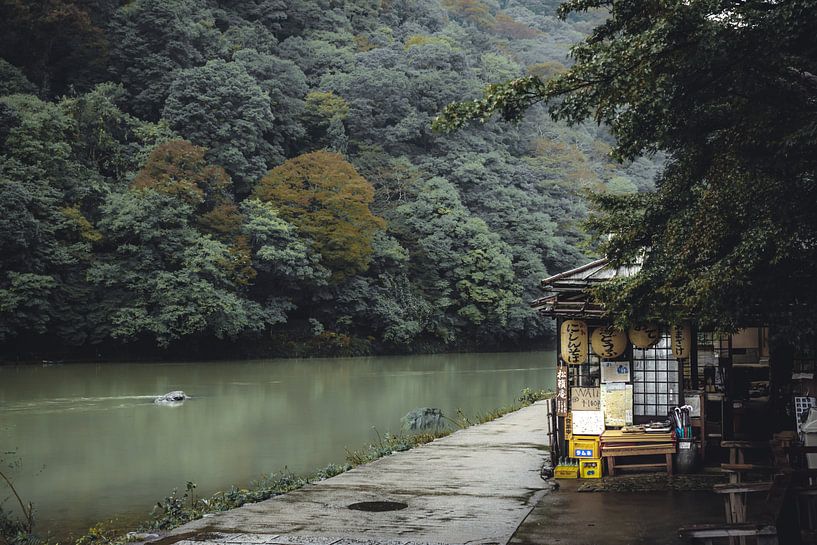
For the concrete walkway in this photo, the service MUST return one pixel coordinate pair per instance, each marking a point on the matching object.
(475, 486)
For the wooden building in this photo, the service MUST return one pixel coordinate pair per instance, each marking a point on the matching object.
(641, 375)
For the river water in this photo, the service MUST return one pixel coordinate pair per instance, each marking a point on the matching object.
(93, 445)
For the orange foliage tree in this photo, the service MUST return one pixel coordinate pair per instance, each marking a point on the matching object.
(180, 169)
(328, 201)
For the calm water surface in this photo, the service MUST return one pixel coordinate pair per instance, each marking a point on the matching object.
(94, 446)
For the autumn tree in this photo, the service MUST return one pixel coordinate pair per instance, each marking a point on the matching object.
(328, 201)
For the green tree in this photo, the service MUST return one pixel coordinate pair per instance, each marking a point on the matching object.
(55, 43)
(727, 90)
(151, 40)
(328, 201)
(162, 279)
(464, 269)
(221, 107)
(12, 80)
(45, 237)
(286, 86)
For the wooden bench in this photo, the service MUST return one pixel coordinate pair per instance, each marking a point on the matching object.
(765, 528)
(610, 455)
(737, 472)
(616, 444)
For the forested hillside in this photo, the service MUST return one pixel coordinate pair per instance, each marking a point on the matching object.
(259, 177)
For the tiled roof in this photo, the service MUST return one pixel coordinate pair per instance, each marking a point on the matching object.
(569, 298)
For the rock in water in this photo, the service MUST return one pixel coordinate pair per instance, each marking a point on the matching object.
(423, 419)
(171, 398)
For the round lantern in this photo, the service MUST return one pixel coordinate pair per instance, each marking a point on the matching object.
(645, 335)
(608, 343)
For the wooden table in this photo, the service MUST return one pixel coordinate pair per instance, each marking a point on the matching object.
(737, 449)
(616, 444)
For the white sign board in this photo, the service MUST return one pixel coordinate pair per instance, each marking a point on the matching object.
(615, 371)
(588, 422)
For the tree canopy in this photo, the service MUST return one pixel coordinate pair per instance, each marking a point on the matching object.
(260, 177)
(328, 201)
(728, 91)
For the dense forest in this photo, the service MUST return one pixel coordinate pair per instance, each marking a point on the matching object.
(260, 177)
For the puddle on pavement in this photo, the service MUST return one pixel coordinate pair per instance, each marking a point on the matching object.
(378, 506)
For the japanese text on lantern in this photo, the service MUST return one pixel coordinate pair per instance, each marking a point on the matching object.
(681, 341)
(574, 342)
(645, 336)
(561, 390)
(607, 342)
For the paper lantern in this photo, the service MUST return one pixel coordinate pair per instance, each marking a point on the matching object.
(644, 336)
(574, 342)
(607, 342)
(681, 339)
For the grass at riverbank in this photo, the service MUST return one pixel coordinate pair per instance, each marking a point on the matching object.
(184, 506)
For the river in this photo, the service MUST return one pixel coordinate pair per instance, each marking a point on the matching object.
(93, 446)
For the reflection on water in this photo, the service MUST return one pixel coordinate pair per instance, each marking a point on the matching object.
(94, 445)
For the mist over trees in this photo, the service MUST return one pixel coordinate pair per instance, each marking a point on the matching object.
(260, 177)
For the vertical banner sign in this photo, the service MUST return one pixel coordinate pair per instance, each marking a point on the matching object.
(644, 336)
(574, 342)
(681, 337)
(607, 343)
(561, 390)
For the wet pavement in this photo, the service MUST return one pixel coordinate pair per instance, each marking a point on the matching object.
(568, 517)
(478, 486)
(475, 486)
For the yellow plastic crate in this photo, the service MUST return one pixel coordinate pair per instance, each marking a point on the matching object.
(584, 446)
(590, 468)
(566, 472)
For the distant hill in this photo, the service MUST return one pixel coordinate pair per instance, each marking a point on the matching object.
(259, 177)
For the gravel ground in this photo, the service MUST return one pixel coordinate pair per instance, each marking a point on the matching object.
(653, 482)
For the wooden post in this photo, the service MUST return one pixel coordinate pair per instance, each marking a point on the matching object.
(693, 358)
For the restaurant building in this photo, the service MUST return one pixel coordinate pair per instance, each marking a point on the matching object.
(618, 392)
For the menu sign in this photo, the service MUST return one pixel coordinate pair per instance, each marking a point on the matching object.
(585, 399)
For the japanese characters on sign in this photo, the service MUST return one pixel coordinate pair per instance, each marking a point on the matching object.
(561, 390)
(608, 343)
(645, 336)
(681, 337)
(574, 342)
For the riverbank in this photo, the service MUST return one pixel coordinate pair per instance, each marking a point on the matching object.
(186, 505)
(27, 354)
(476, 485)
